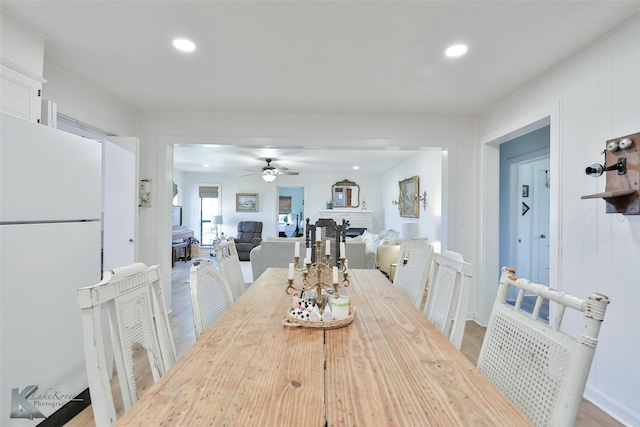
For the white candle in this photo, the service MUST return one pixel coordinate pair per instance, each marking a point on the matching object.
(318, 234)
(296, 251)
(307, 257)
(335, 275)
(328, 247)
(290, 271)
(346, 265)
(343, 250)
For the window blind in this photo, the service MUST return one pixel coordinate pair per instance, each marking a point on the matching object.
(284, 204)
(208, 192)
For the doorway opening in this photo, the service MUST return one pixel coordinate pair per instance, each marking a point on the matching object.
(525, 182)
(290, 220)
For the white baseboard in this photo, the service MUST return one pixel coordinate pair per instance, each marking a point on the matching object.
(475, 318)
(610, 406)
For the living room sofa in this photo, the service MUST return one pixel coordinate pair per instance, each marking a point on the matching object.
(278, 252)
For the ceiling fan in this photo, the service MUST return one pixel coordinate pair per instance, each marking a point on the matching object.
(269, 173)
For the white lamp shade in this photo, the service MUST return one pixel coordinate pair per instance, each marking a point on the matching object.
(410, 230)
(217, 219)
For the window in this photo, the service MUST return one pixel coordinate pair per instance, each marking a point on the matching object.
(209, 206)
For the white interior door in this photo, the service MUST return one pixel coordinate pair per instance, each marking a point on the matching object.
(531, 217)
(120, 204)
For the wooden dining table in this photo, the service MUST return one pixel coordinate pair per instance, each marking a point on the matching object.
(390, 367)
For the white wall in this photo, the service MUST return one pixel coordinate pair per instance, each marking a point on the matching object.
(427, 165)
(318, 191)
(592, 97)
(21, 44)
(180, 179)
(83, 102)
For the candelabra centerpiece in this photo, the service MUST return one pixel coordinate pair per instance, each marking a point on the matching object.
(318, 271)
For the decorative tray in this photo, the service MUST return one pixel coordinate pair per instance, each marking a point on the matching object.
(331, 324)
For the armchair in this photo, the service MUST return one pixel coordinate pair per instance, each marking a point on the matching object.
(249, 236)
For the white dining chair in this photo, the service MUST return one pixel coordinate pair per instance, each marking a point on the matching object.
(412, 270)
(210, 295)
(541, 369)
(229, 265)
(136, 316)
(448, 295)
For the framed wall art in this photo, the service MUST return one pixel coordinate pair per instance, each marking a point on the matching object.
(408, 200)
(246, 202)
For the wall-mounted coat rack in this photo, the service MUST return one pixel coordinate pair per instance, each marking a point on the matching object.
(622, 172)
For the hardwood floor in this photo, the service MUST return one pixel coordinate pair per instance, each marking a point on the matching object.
(181, 319)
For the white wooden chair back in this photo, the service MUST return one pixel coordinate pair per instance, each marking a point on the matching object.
(229, 265)
(412, 270)
(210, 295)
(542, 370)
(448, 296)
(137, 315)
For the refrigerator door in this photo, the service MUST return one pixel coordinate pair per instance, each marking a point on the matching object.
(47, 174)
(40, 324)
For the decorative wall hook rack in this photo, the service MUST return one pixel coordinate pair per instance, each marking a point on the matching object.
(622, 190)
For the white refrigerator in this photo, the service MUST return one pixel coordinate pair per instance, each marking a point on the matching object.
(50, 245)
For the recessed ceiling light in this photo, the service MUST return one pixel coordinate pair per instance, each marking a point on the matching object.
(184, 45)
(205, 165)
(356, 167)
(456, 50)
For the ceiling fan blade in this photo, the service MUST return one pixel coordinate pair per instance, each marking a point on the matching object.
(251, 174)
(288, 173)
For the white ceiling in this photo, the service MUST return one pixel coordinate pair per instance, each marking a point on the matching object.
(243, 160)
(334, 57)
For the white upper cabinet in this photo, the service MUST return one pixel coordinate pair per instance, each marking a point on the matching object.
(21, 65)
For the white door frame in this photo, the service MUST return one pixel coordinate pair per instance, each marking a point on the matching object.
(541, 215)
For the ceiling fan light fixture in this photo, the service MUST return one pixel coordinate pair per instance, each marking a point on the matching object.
(268, 177)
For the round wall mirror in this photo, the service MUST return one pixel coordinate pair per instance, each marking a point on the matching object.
(345, 194)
